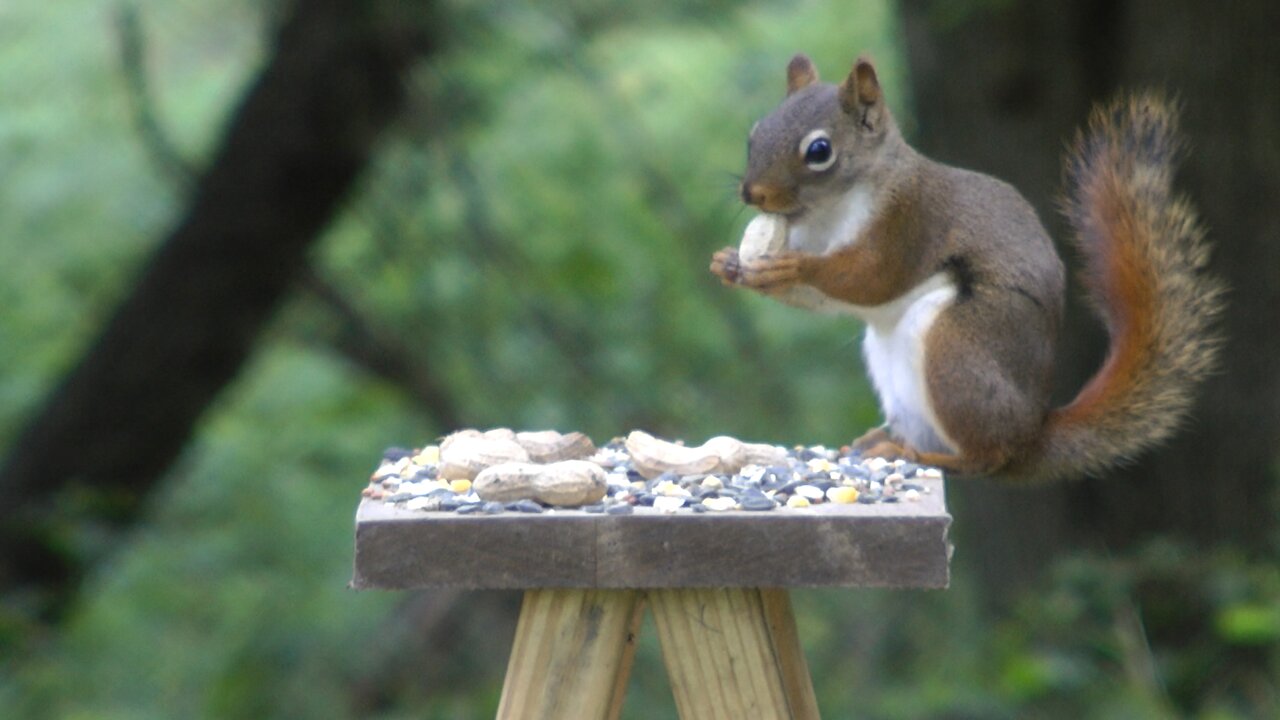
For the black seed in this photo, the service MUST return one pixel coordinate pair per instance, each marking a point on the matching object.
(791, 487)
(395, 454)
(756, 500)
(855, 471)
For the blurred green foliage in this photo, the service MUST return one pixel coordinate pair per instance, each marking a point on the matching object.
(536, 234)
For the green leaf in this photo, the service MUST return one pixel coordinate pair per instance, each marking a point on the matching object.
(1249, 624)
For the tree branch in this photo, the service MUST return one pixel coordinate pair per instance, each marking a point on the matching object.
(381, 354)
(133, 65)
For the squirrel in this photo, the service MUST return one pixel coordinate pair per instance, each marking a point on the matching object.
(961, 289)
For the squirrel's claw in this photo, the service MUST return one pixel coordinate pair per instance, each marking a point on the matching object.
(872, 438)
(950, 462)
(771, 272)
(726, 265)
(891, 450)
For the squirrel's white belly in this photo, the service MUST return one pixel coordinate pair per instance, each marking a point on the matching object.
(894, 351)
(894, 343)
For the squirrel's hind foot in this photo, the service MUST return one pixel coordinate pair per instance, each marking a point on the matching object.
(872, 438)
(950, 462)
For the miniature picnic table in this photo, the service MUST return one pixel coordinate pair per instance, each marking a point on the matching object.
(717, 583)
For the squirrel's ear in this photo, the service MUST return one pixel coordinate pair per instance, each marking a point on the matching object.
(861, 89)
(800, 73)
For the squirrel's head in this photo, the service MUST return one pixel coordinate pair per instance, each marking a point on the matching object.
(821, 140)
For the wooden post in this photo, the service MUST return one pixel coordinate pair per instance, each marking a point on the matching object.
(733, 653)
(572, 654)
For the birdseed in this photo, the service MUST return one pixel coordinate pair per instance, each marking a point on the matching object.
(812, 475)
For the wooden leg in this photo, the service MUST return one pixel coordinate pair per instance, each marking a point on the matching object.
(572, 654)
(733, 653)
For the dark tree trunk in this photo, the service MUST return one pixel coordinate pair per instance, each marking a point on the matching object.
(290, 154)
(999, 87)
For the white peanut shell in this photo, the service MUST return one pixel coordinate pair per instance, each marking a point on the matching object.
(766, 233)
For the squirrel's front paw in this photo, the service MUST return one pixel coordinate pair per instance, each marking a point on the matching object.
(726, 265)
(769, 273)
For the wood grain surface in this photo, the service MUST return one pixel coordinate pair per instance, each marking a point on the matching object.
(882, 545)
(572, 654)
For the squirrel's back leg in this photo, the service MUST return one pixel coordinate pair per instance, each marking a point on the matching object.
(988, 370)
(889, 450)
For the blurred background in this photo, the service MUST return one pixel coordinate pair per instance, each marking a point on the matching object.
(244, 246)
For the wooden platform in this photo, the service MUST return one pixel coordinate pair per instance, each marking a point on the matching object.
(901, 544)
(715, 582)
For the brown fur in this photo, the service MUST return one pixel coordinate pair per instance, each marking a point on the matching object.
(800, 73)
(1145, 260)
(862, 88)
(989, 354)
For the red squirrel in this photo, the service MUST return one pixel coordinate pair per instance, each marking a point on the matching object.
(962, 291)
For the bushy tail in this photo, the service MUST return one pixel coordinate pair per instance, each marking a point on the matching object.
(1145, 272)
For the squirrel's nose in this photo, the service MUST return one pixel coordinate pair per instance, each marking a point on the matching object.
(767, 197)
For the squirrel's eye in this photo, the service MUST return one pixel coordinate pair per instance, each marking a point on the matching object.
(818, 153)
